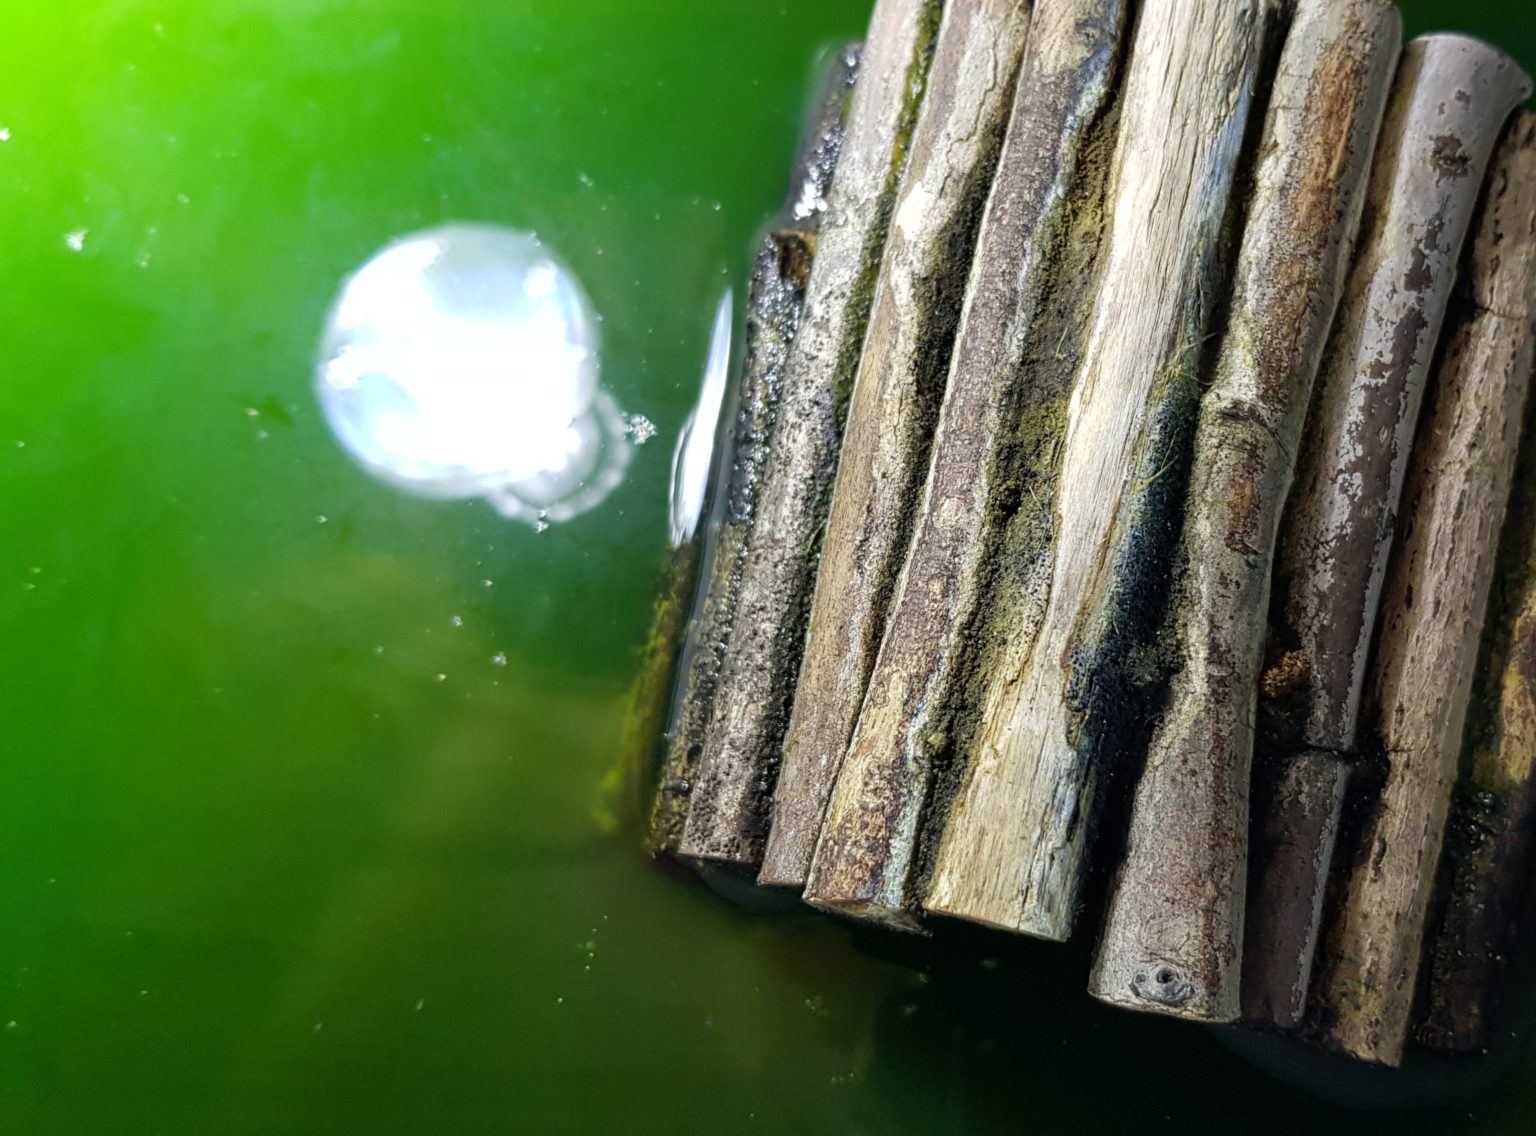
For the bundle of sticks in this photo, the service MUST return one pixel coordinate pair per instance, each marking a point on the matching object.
(1116, 490)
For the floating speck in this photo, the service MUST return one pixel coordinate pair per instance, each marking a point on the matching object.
(10, 1025)
(5, 133)
(456, 621)
(487, 583)
(20, 445)
(585, 179)
(640, 429)
(321, 518)
(75, 239)
(420, 1002)
(183, 199)
(441, 677)
(499, 659)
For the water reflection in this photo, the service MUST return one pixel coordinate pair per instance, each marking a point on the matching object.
(696, 443)
(463, 362)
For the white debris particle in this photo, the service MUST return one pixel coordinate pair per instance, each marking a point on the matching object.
(640, 429)
(75, 239)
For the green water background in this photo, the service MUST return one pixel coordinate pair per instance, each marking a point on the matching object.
(282, 848)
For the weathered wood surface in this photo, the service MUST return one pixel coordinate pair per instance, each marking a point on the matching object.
(1449, 102)
(1451, 99)
(775, 300)
(1033, 263)
(894, 407)
(1173, 932)
(1012, 853)
(1433, 610)
(1486, 878)
(1297, 808)
(728, 806)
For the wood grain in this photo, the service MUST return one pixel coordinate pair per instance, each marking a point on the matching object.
(775, 302)
(1012, 853)
(728, 807)
(1173, 933)
(997, 429)
(1433, 610)
(895, 406)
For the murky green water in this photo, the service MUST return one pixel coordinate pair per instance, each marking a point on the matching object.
(302, 826)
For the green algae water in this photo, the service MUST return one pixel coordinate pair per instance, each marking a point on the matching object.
(304, 821)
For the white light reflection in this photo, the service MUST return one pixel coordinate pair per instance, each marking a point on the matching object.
(696, 442)
(463, 362)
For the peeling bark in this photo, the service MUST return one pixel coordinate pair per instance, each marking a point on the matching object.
(1433, 611)
(1448, 103)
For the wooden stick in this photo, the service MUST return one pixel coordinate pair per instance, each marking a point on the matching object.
(775, 301)
(727, 814)
(1013, 852)
(1034, 259)
(1489, 840)
(895, 405)
(1433, 611)
(1173, 931)
(1297, 805)
(1448, 103)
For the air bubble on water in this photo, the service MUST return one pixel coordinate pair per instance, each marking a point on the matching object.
(696, 442)
(463, 362)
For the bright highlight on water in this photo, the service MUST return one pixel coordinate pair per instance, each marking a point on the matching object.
(463, 361)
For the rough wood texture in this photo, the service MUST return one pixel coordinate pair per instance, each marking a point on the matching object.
(1027, 257)
(1449, 104)
(1012, 853)
(1486, 875)
(894, 406)
(1332, 551)
(1433, 611)
(1297, 807)
(1173, 932)
(775, 301)
(728, 808)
